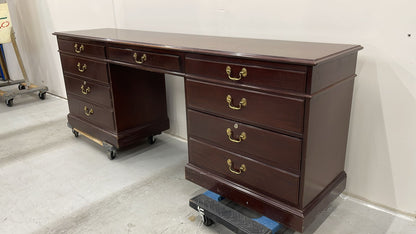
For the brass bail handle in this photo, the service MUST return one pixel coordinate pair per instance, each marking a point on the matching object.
(85, 91)
(87, 111)
(80, 49)
(242, 136)
(142, 59)
(83, 68)
(237, 172)
(243, 73)
(242, 103)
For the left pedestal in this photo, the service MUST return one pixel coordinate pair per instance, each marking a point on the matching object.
(113, 105)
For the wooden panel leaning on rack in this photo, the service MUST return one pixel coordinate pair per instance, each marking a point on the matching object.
(267, 120)
(24, 86)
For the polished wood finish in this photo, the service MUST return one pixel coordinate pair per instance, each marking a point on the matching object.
(122, 105)
(94, 70)
(210, 97)
(157, 60)
(268, 147)
(271, 78)
(102, 117)
(325, 146)
(88, 50)
(257, 176)
(139, 97)
(294, 52)
(295, 113)
(93, 92)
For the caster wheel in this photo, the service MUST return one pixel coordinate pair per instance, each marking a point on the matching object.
(9, 102)
(151, 140)
(21, 87)
(111, 154)
(207, 221)
(42, 95)
(76, 134)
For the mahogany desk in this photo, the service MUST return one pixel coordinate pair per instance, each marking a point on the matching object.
(267, 120)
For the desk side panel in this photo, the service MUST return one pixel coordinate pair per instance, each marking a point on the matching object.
(326, 139)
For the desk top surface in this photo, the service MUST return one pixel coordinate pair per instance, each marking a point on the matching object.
(308, 53)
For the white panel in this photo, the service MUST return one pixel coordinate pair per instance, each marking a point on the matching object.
(175, 95)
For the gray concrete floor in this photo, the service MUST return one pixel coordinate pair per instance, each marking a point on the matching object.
(52, 182)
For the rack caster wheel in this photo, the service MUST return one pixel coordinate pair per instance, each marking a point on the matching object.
(151, 140)
(42, 95)
(207, 221)
(111, 154)
(21, 87)
(9, 102)
(75, 132)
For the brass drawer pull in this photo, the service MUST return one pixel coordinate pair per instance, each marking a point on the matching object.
(85, 91)
(243, 103)
(83, 68)
(243, 73)
(242, 136)
(142, 59)
(78, 50)
(237, 172)
(87, 111)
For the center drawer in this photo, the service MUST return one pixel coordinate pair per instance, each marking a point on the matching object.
(260, 109)
(269, 147)
(244, 171)
(138, 57)
(94, 114)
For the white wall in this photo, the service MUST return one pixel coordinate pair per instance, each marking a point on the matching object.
(381, 157)
(34, 23)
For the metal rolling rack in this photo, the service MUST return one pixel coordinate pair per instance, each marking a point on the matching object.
(24, 86)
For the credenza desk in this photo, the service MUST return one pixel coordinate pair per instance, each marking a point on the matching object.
(267, 120)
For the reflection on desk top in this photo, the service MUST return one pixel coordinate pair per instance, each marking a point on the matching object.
(307, 53)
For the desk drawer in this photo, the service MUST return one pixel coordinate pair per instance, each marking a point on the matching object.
(80, 48)
(94, 114)
(251, 75)
(264, 110)
(85, 67)
(257, 176)
(88, 90)
(145, 58)
(274, 149)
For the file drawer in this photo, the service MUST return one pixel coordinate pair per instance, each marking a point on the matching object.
(265, 110)
(272, 148)
(92, 113)
(245, 171)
